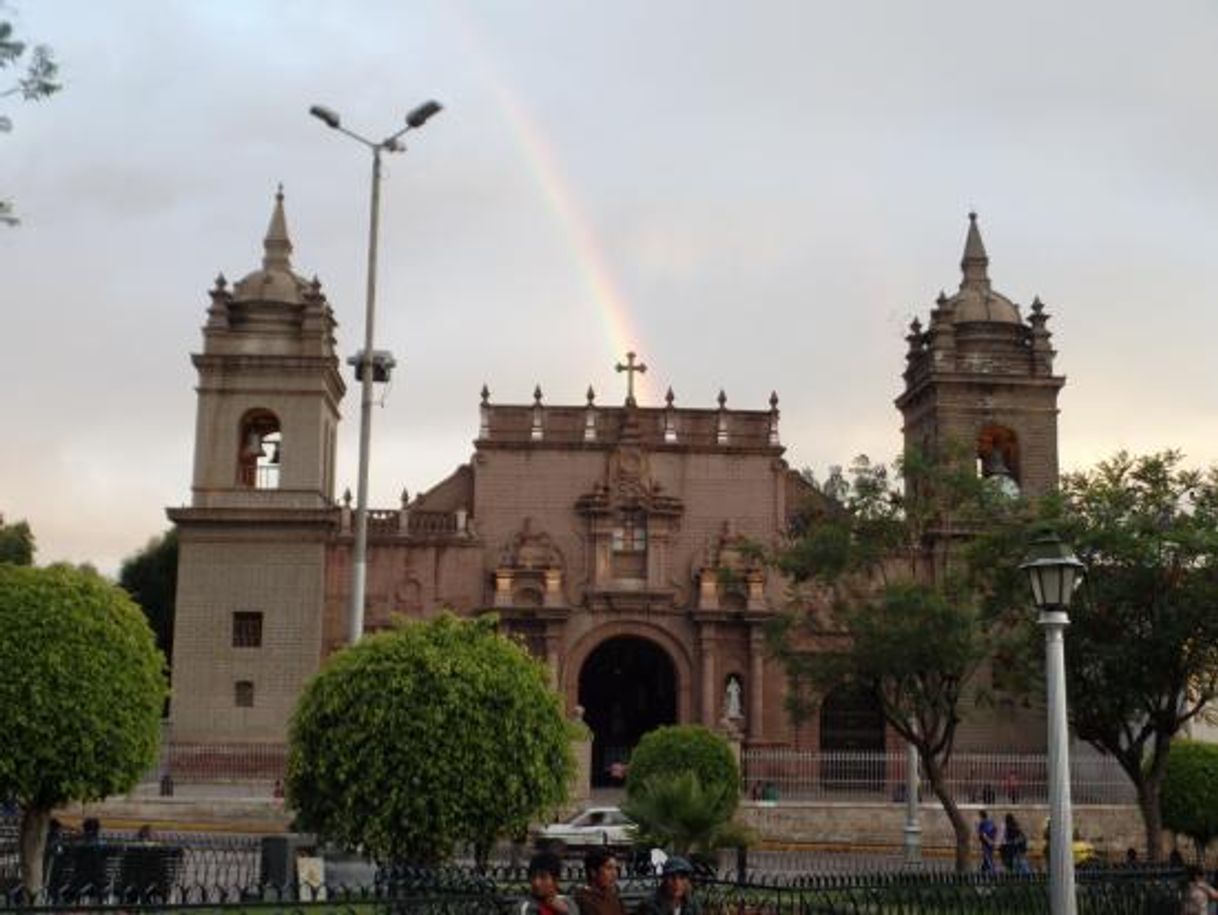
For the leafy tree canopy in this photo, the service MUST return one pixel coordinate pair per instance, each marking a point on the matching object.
(35, 78)
(1190, 791)
(896, 607)
(151, 578)
(16, 543)
(80, 698)
(1142, 648)
(432, 734)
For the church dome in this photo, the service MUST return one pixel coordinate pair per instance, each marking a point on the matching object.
(970, 304)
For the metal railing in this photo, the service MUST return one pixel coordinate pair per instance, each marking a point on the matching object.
(501, 890)
(979, 778)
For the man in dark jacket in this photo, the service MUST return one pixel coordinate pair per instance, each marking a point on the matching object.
(599, 896)
(675, 895)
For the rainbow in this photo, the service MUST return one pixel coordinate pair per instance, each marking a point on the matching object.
(562, 201)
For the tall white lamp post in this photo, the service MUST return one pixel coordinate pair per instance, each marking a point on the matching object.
(1054, 573)
(370, 365)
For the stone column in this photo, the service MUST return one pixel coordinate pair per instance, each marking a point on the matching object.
(756, 681)
(552, 656)
(710, 685)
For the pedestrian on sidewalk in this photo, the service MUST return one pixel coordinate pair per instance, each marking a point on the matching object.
(987, 835)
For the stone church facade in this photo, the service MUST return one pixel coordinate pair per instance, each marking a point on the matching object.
(619, 541)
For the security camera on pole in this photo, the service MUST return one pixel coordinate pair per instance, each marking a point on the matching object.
(370, 365)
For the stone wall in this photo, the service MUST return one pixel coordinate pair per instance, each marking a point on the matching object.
(1110, 828)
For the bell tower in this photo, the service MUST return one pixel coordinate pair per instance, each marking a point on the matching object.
(253, 542)
(980, 376)
(269, 388)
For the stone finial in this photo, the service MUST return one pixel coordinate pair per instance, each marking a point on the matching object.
(405, 497)
(975, 263)
(315, 284)
(722, 399)
(1038, 306)
(915, 326)
(347, 497)
(221, 283)
(591, 395)
(486, 395)
(277, 247)
(941, 300)
(773, 400)
(537, 395)
(669, 398)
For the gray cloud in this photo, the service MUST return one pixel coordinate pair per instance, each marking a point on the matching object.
(775, 189)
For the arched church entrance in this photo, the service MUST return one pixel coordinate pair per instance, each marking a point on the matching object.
(627, 686)
(851, 740)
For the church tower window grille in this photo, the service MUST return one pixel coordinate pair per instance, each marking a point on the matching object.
(998, 458)
(260, 451)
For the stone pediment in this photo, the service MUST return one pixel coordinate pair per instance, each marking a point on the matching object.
(628, 486)
(531, 550)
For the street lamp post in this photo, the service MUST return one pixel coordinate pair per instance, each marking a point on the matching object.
(369, 364)
(1054, 572)
(913, 828)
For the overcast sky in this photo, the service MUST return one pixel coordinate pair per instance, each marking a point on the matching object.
(754, 196)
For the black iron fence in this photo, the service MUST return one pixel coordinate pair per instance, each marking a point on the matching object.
(162, 886)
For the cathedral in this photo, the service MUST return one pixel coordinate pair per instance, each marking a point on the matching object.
(618, 541)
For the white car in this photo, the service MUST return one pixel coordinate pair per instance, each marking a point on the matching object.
(594, 826)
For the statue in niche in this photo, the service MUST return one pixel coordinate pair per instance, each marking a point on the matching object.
(732, 694)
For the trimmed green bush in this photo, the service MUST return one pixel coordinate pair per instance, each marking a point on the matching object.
(677, 749)
(1189, 798)
(430, 735)
(82, 686)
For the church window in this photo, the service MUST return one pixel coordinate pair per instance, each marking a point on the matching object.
(259, 450)
(630, 535)
(630, 546)
(243, 694)
(247, 630)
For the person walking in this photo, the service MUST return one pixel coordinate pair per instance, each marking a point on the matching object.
(675, 894)
(987, 835)
(599, 895)
(545, 870)
(1014, 846)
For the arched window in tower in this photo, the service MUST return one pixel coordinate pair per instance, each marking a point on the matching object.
(998, 458)
(630, 545)
(259, 450)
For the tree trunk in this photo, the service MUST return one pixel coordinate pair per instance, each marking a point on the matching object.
(34, 822)
(1152, 818)
(959, 824)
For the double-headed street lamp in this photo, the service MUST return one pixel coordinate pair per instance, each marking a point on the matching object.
(370, 365)
(1054, 572)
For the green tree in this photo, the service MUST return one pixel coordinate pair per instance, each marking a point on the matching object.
(36, 80)
(1190, 792)
(1142, 648)
(16, 543)
(683, 788)
(905, 621)
(432, 734)
(80, 696)
(675, 811)
(151, 578)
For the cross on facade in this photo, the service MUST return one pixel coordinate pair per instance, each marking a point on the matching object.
(630, 368)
